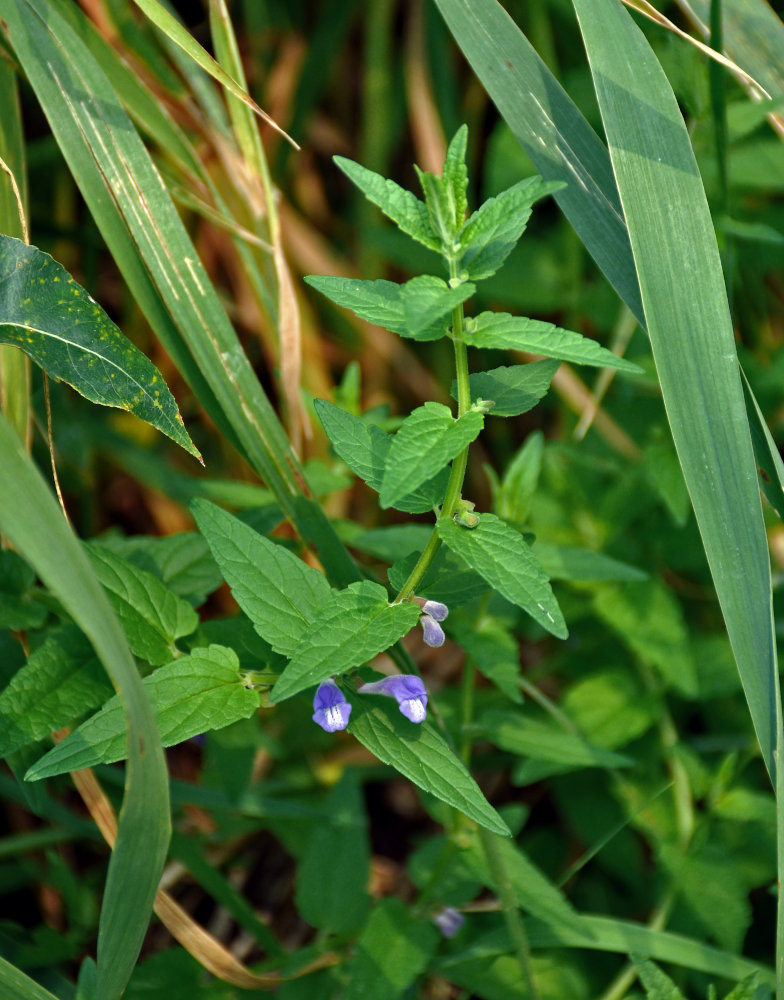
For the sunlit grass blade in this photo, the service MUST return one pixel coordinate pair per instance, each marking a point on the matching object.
(687, 316)
(153, 250)
(31, 519)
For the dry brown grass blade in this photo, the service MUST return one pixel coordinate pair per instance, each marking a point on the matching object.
(428, 135)
(207, 950)
(754, 87)
(578, 398)
(290, 333)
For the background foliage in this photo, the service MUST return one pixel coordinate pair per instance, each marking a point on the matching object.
(624, 759)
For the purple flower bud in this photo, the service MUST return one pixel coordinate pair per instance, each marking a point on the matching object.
(448, 921)
(436, 610)
(409, 691)
(434, 634)
(331, 708)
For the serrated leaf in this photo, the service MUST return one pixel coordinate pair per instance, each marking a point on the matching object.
(447, 579)
(427, 440)
(492, 231)
(455, 174)
(440, 209)
(401, 206)
(364, 448)
(393, 949)
(46, 314)
(513, 390)
(518, 333)
(192, 695)
(658, 986)
(501, 556)
(560, 562)
(420, 309)
(517, 733)
(61, 681)
(275, 589)
(152, 616)
(352, 627)
(421, 754)
(338, 845)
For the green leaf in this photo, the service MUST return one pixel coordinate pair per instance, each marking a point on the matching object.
(500, 555)
(61, 681)
(32, 520)
(192, 695)
(420, 753)
(492, 647)
(517, 333)
(18, 610)
(520, 480)
(692, 339)
(534, 892)
(18, 986)
(447, 579)
(455, 175)
(406, 210)
(364, 448)
(517, 733)
(420, 309)
(658, 986)
(46, 314)
(333, 873)
(392, 951)
(275, 589)
(427, 439)
(152, 617)
(492, 231)
(513, 390)
(350, 628)
(610, 707)
(560, 562)
(440, 209)
(750, 989)
(649, 620)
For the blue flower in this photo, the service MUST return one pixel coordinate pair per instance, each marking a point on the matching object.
(436, 610)
(434, 634)
(409, 691)
(449, 921)
(331, 708)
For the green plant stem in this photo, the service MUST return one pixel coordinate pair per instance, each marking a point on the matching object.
(514, 922)
(457, 476)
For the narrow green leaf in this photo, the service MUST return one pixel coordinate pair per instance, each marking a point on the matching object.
(420, 309)
(420, 753)
(560, 562)
(152, 616)
(401, 206)
(364, 448)
(513, 390)
(455, 175)
(30, 517)
(275, 589)
(440, 209)
(517, 333)
(350, 628)
(492, 231)
(658, 986)
(500, 555)
(534, 892)
(339, 845)
(46, 314)
(61, 681)
(520, 480)
(18, 986)
(192, 695)
(18, 609)
(392, 951)
(427, 440)
(517, 733)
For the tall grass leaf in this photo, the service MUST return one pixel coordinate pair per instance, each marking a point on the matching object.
(686, 311)
(31, 519)
(137, 218)
(18, 986)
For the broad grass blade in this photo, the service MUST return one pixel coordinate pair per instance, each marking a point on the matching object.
(686, 312)
(31, 519)
(17, 986)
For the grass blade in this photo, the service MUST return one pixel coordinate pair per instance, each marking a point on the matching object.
(672, 237)
(30, 517)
